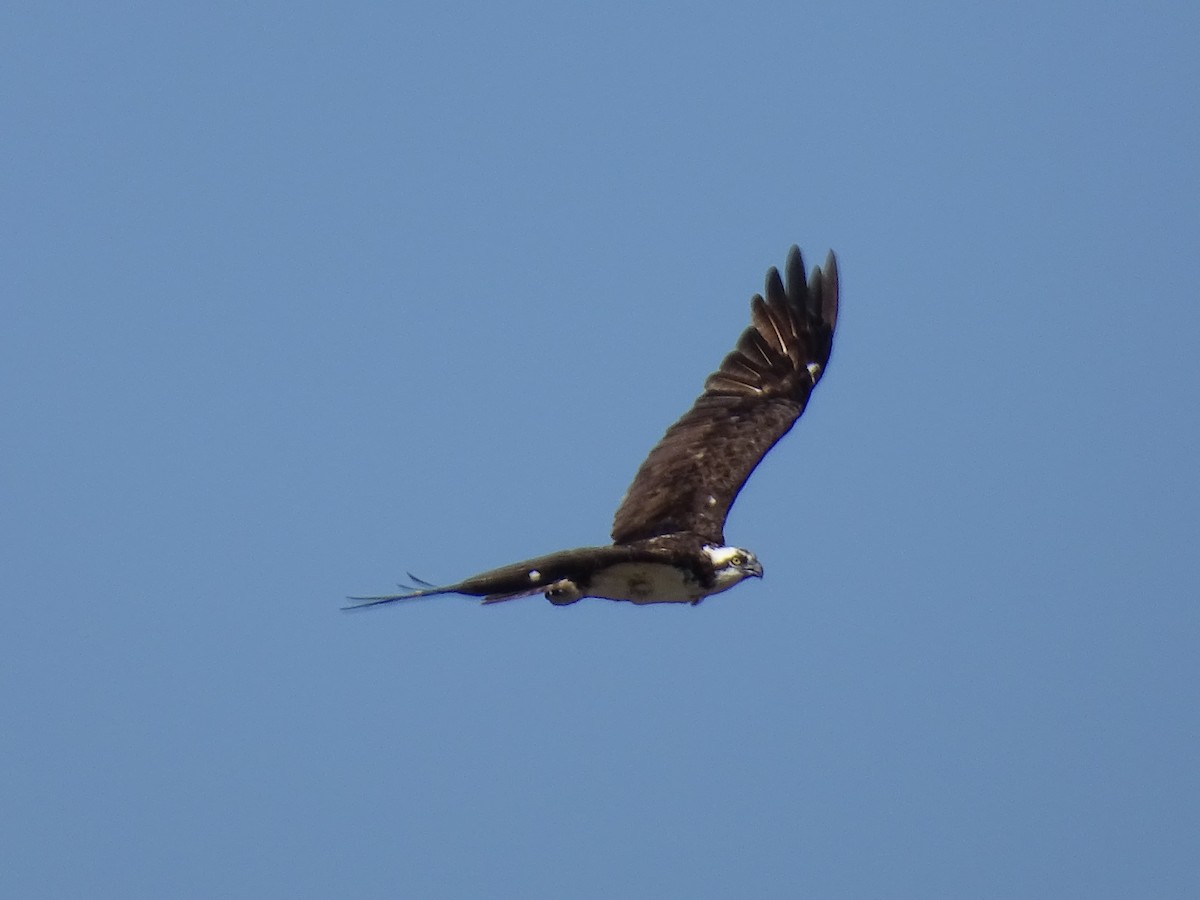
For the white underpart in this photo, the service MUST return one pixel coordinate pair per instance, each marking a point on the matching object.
(646, 583)
(660, 583)
(725, 579)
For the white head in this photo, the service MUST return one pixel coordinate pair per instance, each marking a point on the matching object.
(732, 564)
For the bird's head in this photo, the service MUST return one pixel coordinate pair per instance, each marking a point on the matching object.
(732, 564)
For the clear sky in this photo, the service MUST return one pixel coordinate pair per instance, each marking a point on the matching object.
(300, 297)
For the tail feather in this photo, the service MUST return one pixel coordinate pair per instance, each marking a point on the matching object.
(421, 581)
(412, 594)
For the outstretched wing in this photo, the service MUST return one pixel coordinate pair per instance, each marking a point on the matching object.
(690, 480)
(521, 579)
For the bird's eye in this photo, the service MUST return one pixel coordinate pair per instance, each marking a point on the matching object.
(737, 559)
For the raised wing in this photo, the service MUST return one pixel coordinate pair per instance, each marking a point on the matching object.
(691, 478)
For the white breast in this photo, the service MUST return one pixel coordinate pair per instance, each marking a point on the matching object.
(646, 583)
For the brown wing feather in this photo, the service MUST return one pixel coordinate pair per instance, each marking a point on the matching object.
(691, 478)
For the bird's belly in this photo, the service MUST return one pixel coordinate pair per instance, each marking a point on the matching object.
(646, 583)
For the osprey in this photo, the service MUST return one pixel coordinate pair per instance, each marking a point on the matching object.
(668, 533)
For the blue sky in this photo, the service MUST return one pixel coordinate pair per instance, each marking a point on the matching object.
(298, 298)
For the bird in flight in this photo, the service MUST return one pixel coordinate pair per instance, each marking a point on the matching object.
(668, 534)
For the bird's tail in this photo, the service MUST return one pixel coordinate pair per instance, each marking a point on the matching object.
(421, 588)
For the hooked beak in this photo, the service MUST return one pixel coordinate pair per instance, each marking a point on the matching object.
(755, 569)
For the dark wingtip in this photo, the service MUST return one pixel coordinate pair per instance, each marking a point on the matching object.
(793, 267)
(774, 290)
(829, 290)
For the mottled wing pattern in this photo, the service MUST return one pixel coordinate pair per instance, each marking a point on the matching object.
(691, 478)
